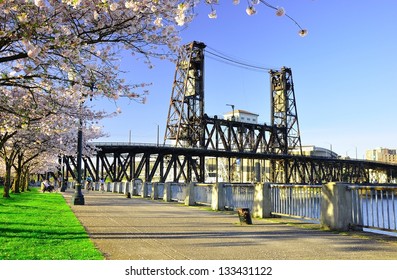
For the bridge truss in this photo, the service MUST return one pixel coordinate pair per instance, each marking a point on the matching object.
(154, 163)
(247, 151)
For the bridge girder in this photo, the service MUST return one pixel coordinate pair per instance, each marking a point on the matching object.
(176, 164)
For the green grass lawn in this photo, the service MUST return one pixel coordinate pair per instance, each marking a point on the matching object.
(41, 226)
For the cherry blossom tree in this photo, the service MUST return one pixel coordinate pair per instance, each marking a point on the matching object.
(39, 144)
(49, 49)
(55, 54)
(54, 45)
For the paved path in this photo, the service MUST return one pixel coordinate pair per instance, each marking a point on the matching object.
(140, 229)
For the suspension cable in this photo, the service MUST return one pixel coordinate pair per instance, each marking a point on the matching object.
(218, 56)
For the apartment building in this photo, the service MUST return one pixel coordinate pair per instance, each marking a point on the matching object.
(382, 154)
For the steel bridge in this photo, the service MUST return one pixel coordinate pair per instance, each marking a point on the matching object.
(198, 148)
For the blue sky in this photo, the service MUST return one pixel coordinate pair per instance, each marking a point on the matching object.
(344, 72)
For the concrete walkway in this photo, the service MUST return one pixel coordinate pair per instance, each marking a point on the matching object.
(140, 229)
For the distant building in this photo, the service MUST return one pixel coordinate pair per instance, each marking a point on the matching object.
(382, 154)
(312, 150)
(241, 116)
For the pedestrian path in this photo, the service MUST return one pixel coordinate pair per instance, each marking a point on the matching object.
(142, 229)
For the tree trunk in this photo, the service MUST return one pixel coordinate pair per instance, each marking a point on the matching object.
(16, 183)
(18, 174)
(25, 179)
(7, 180)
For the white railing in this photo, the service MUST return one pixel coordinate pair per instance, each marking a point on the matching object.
(374, 206)
(344, 205)
(178, 192)
(238, 196)
(303, 201)
(203, 194)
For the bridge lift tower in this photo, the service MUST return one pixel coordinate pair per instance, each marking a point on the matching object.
(284, 117)
(186, 111)
(187, 123)
(284, 112)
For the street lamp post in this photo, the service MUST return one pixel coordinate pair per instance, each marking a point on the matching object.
(78, 197)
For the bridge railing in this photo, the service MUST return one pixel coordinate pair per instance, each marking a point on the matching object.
(302, 201)
(374, 206)
(238, 196)
(117, 144)
(342, 208)
(178, 192)
(337, 206)
(203, 194)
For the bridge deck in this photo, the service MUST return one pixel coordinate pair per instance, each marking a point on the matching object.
(136, 229)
